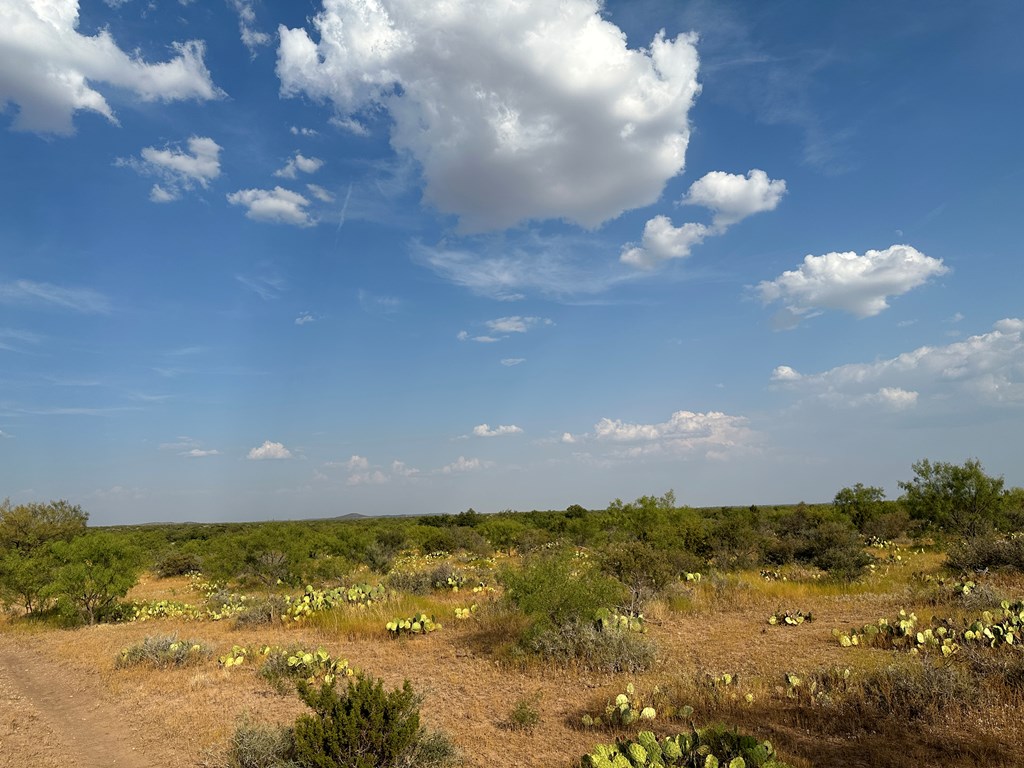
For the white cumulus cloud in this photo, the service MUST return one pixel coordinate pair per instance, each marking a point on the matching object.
(685, 432)
(858, 284)
(514, 110)
(733, 197)
(269, 450)
(661, 241)
(357, 462)
(986, 368)
(462, 464)
(277, 205)
(374, 477)
(50, 71)
(178, 170)
(484, 430)
(299, 163)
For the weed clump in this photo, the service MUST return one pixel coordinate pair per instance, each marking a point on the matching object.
(163, 651)
(525, 716)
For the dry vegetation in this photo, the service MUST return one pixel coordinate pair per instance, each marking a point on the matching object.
(185, 717)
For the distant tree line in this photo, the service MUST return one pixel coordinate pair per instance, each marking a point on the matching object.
(51, 562)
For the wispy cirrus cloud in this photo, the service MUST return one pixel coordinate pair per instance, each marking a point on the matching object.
(47, 295)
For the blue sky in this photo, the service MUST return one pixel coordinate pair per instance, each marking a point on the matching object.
(285, 260)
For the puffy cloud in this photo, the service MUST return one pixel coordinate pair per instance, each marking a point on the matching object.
(684, 432)
(357, 462)
(662, 241)
(987, 368)
(516, 324)
(860, 285)
(550, 114)
(375, 477)
(84, 300)
(568, 438)
(269, 450)
(276, 205)
(401, 469)
(484, 430)
(178, 169)
(734, 197)
(49, 70)
(297, 131)
(462, 464)
(251, 37)
(299, 163)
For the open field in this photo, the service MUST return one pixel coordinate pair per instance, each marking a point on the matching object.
(62, 694)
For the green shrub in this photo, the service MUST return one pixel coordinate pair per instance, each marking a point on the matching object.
(555, 590)
(164, 651)
(365, 727)
(176, 563)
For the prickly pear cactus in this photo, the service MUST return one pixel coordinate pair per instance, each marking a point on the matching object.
(712, 747)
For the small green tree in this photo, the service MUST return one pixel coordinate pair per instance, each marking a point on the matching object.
(555, 590)
(28, 533)
(862, 504)
(95, 571)
(958, 499)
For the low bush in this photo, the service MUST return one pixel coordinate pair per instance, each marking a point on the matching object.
(260, 746)
(584, 645)
(164, 651)
(916, 691)
(261, 611)
(176, 563)
(365, 727)
(988, 552)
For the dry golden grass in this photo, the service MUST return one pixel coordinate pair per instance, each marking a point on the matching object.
(181, 718)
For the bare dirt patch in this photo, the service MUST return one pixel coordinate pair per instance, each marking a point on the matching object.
(52, 720)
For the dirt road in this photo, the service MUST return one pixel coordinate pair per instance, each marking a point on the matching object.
(52, 720)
